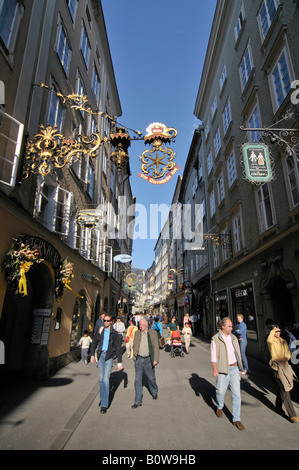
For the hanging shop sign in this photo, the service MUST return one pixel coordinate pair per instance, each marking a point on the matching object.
(256, 159)
(158, 165)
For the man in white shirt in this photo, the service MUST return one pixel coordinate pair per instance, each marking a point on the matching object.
(227, 364)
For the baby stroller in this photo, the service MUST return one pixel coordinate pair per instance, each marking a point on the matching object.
(176, 344)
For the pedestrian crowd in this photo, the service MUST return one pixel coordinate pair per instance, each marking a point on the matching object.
(143, 340)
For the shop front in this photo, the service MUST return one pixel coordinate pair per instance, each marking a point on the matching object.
(221, 306)
(242, 297)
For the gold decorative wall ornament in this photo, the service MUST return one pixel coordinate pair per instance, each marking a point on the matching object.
(49, 149)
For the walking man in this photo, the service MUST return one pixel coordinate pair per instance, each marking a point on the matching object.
(227, 364)
(108, 344)
(146, 356)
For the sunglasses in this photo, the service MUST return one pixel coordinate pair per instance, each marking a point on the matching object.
(107, 321)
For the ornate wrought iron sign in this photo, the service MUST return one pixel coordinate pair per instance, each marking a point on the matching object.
(256, 159)
(49, 150)
(154, 166)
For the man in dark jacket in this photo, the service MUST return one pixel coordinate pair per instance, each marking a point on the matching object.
(108, 344)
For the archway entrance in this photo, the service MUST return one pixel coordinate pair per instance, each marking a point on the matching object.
(281, 302)
(19, 328)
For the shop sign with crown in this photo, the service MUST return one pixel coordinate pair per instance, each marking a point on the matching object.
(158, 165)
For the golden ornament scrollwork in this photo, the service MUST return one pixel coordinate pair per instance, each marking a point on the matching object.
(49, 149)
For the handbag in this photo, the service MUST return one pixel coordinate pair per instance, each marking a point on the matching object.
(162, 341)
(127, 339)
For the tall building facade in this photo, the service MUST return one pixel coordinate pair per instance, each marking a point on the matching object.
(247, 82)
(50, 53)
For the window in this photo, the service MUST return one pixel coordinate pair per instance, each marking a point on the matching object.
(207, 129)
(62, 211)
(104, 162)
(11, 12)
(220, 188)
(80, 89)
(93, 125)
(72, 4)
(231, 169)
(62, 48)
(226, 116)
(209, 162)
(85, 46)
(90, 180)
(225, 244)
(10, 148)
(55, 110)
(266, 15)
(214, 107)
(112, 178)
(95, 85)
(237, 231)
(239, 23)
(212, 203)
(79, 85)
(53, 206)
(280, 79)
(265, 207)
(216, 256)
(254, 122)
(223, 78)
(107, 125)
(292, 169)
(245, 67)
(217, 142)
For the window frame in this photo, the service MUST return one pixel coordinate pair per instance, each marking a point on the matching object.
(273, 89)
(85, 46)
(246, 58)
(261, 207)
(65, 57)
(270, 21)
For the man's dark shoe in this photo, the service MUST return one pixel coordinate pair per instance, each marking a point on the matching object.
(103, 410)
(135, 406)
(155, 397)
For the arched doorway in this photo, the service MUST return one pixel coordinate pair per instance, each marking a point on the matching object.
(21, 333)
(278, 290)
(80, 319)
(281, 301)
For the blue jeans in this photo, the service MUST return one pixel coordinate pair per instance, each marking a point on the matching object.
(231, 379)
(243, 346)
(144, 365)
(104, 376)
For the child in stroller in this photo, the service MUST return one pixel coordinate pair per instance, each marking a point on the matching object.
(176, 344)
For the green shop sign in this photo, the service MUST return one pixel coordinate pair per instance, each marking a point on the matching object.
(256, 160)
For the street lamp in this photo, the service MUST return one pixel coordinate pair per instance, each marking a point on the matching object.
(121, 142)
